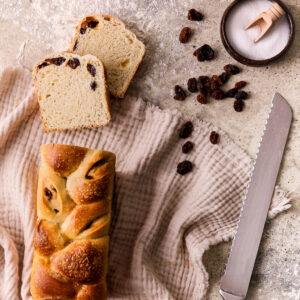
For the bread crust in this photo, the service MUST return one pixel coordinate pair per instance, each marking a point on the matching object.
(70, 258)
(103, 16)
(34, 78)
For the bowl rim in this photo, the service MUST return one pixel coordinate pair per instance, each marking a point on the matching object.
(248, 61)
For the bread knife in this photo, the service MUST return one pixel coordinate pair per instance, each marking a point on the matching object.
(235, 281)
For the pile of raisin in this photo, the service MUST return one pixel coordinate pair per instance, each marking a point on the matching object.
(212, 87)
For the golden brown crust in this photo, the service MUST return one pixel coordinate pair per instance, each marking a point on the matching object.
(92, 292)
(82, 216)
(71, 237)
(77, 35)
(47, 238)
(92, 181)
(44, 285)
(83, 261)
(63, 159)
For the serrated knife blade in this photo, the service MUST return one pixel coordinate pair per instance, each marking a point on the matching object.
(235, 281)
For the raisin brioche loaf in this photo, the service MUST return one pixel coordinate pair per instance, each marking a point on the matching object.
(71, 91)
(117, 47)
(71, 240)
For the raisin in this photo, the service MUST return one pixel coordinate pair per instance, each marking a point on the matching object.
(73, 63)
(75, 45)
(184, 167)
(93, 85)
(202, 97)
(48, 193)
(218, 94)
(56, 210)
(215, 82)
(224, 77)
(186, 130)
(92, 24)
(231, 93)
(56, 60)
(214, 137)
(185, 35)
(241, 95)
(192, 85)
(205, 52)
(82, 30)
(194, 15)
(203, 82)
(42, 65)
(91, 69)
(179, 93)
(217, 79)
(187, 147)
(231, 69)
(240, 84)
(238, 105)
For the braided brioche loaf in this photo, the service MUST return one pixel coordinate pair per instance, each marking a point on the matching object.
(71, 240)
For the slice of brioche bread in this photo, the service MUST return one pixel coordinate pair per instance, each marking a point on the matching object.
(71, 91)
(118, 48)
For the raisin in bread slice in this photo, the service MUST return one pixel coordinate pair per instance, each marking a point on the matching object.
(118, 48)
(71, 91)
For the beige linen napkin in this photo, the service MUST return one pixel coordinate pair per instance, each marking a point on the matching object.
(162, 222)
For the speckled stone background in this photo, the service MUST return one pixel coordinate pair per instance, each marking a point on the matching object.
(29, 29)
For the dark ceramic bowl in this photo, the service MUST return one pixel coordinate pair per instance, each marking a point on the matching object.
(248, 61)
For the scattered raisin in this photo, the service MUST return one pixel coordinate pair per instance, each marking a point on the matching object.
(187, 147)
(214, 137)
(73, 63)
(42, 65)
(184, 167)
(91, 69)
(56, 210)
(203, 82)
(205, 52)
(56, 60)
(224, 77)
(231, 93)
(238, 105)
(218, 94)
(93, 85)
(202, 97)
(231, 69)
(186, 130)
(82, 30)
(192, 85)
(92, 24)
(240, 84)
(75, 45)
(48, 193)
(194, 15)
(179, 93)
(241, 95)
(185, 35)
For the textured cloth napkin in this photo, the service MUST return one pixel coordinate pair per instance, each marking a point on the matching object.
(162, 222)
